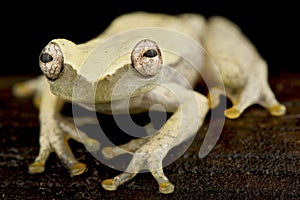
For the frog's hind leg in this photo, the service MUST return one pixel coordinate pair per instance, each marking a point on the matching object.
(165, 186)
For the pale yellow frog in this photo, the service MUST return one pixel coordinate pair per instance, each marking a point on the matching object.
(142, 67)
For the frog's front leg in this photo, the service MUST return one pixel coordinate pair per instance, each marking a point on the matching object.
(54, 134)
(189, 108)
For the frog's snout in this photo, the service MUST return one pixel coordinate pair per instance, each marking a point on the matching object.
(51, 61)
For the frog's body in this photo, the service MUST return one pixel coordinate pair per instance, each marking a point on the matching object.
(62, 61)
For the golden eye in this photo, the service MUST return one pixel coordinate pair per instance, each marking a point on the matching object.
(146, 57)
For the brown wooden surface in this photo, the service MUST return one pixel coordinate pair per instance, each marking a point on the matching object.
(257, 157)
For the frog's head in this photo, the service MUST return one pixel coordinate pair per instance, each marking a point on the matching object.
(64, 64)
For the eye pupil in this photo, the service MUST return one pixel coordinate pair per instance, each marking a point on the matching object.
(45, 58)
(150, 53)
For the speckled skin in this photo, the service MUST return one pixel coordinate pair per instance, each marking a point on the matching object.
(242, 70)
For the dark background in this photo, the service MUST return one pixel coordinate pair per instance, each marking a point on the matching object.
(27, 27)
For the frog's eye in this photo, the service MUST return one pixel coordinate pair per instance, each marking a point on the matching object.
(146, 58)
(51, 61)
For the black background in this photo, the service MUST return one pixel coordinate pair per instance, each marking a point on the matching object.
(27, 27)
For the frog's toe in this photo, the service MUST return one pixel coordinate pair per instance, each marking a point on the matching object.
(36, 167)
(77, 169)
(92, 145)
(109, 184)
(108, 152)
(232, 113)
(277, 110)
(166, 188)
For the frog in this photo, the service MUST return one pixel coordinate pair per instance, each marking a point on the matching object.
(143, 71)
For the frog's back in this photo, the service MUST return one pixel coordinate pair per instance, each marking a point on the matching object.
(190, 24)
(185, 23)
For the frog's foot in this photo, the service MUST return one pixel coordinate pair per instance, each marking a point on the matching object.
(38, 166)
(165, 187)
(63, 150)
(277, 110)
(58, 144)
(154, 161)
(133, 145)
(232, 113)
(54, 137)
(143, 158)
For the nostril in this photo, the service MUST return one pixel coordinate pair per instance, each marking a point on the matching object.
(45, 58)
